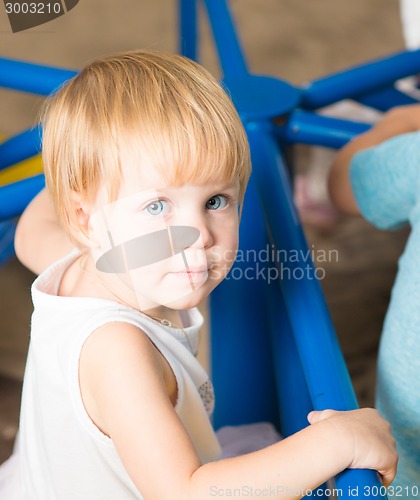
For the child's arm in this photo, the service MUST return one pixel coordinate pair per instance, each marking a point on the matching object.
(39, 239)
(397, 121)
(123, 374)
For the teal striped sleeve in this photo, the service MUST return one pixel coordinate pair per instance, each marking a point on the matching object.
(385, 180)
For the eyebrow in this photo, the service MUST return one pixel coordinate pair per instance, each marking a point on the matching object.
(226, 187)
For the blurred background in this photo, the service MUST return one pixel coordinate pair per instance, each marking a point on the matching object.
(296, 40)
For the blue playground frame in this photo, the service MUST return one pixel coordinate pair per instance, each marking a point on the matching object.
(283, 348)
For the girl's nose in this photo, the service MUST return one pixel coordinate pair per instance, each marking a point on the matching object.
(206, 238)
(197, 223)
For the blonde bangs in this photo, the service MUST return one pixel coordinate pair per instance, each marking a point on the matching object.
(185, 125)
(190, 149)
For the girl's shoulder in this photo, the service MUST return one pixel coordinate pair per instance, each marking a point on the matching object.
(121, 355)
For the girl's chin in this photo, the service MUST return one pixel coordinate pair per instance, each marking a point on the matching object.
(185, 301)
(178, 291)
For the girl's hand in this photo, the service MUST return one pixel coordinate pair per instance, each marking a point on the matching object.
(371, 443)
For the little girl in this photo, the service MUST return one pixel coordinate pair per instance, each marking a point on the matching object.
(146, 163)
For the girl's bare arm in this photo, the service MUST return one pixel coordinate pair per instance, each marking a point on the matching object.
(40, 240)
(397, 121)
(125, 374)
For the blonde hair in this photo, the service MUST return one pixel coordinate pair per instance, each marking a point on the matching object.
(161, 107)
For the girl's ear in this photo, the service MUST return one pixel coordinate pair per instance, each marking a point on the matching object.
(80, 219)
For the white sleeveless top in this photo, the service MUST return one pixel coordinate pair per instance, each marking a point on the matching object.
(61, 454)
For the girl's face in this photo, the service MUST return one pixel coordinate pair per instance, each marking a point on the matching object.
(169, 245)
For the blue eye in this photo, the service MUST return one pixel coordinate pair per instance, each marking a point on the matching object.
(158, 207)
(217, 202)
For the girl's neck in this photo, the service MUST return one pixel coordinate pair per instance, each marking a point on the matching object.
(82, 279)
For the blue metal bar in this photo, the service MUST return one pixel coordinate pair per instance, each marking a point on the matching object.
(290, 378)
(240, 344)
(33, 78)
(15, 197)
(310, 128)
(231, 56)
(188, 28)
(259, 97)
(20, 147)
(304, 300)
(7, 235)
(359, 483)
(320, 355)
(387, 98)
(360, 80)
